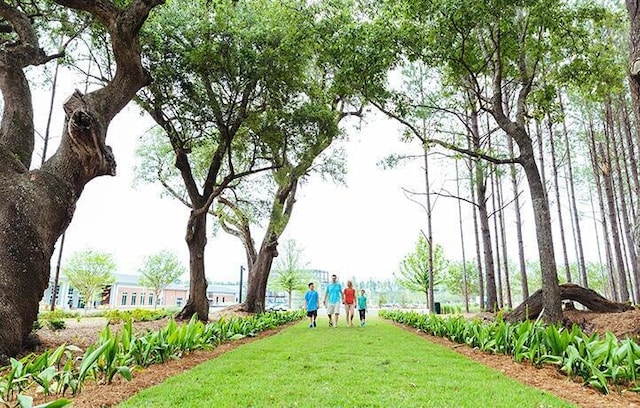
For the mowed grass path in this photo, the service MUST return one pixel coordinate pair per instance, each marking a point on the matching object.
(379, 365)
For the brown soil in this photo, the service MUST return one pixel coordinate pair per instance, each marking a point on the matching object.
(549, 379)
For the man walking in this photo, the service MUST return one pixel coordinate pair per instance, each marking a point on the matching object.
(335, 299)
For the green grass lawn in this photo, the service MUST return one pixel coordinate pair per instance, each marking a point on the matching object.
(379, 365)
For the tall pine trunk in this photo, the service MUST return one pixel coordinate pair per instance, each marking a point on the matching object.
(429, 228)
(556, 184)
(582, 268)
(472, 188)
(624, 212)
(485, 232)
(615, 294)
(503, 236)
(465, 288)
(607, 180)
(516, 202)
(496, 236)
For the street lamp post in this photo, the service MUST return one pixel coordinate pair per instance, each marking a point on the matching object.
(240, 292)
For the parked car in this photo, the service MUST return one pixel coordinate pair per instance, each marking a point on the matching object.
(280, 307)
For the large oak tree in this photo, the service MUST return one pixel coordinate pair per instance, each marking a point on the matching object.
(36, 205)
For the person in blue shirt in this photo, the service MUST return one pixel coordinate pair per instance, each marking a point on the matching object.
(335, 299)
(311, 304)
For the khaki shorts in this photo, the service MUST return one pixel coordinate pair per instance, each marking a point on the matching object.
(349, 308)
(333, 308)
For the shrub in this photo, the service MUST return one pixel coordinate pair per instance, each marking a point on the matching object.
(56, 324)
(37, 325)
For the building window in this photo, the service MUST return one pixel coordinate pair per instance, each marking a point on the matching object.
(179, 302)
(142, 299)
(134, 295)
(150, 299)
(124, 298)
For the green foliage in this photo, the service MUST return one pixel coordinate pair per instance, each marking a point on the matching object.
(114, 354)
(59, 314)
(414, 268)
(56, 324)
(453, 278)
(599, 362)
(159, 271)
(290, 275)
(88, 272)
(137, 315)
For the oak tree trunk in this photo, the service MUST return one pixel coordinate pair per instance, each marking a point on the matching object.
(37, 205)
(198, 302)
(259, 276)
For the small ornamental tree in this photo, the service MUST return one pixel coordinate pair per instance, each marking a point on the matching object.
(414, 268)
(159, 271)
(88, 272)
(290, 275)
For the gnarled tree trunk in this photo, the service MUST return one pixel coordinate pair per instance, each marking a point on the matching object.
(198, 302)
(37, 205)
(259, 275)
(532, 307)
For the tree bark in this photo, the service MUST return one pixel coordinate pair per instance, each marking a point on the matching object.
(606, 169)
(37, 205)
(516, 203)
(517, 130)
(576, 218)
(198, 302)
(556, 184)
(533, 306)
(465, 288)
(503, 236)
(624, 212)
(491, 302)
(496, 236)
(259, 275)
(281, 210)
(476, 236)
(429, 228)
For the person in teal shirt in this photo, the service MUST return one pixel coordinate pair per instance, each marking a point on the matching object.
(311, 304)
(362, 306)
(335, 299)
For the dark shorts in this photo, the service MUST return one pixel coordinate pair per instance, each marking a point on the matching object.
(362, 312)
(312, 313)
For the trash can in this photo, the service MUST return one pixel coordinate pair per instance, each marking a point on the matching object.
(436, 308)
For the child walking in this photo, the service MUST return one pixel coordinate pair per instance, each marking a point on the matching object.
(362, 306)
(311, 304)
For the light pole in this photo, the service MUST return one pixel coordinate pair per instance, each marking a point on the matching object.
(240, 291)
